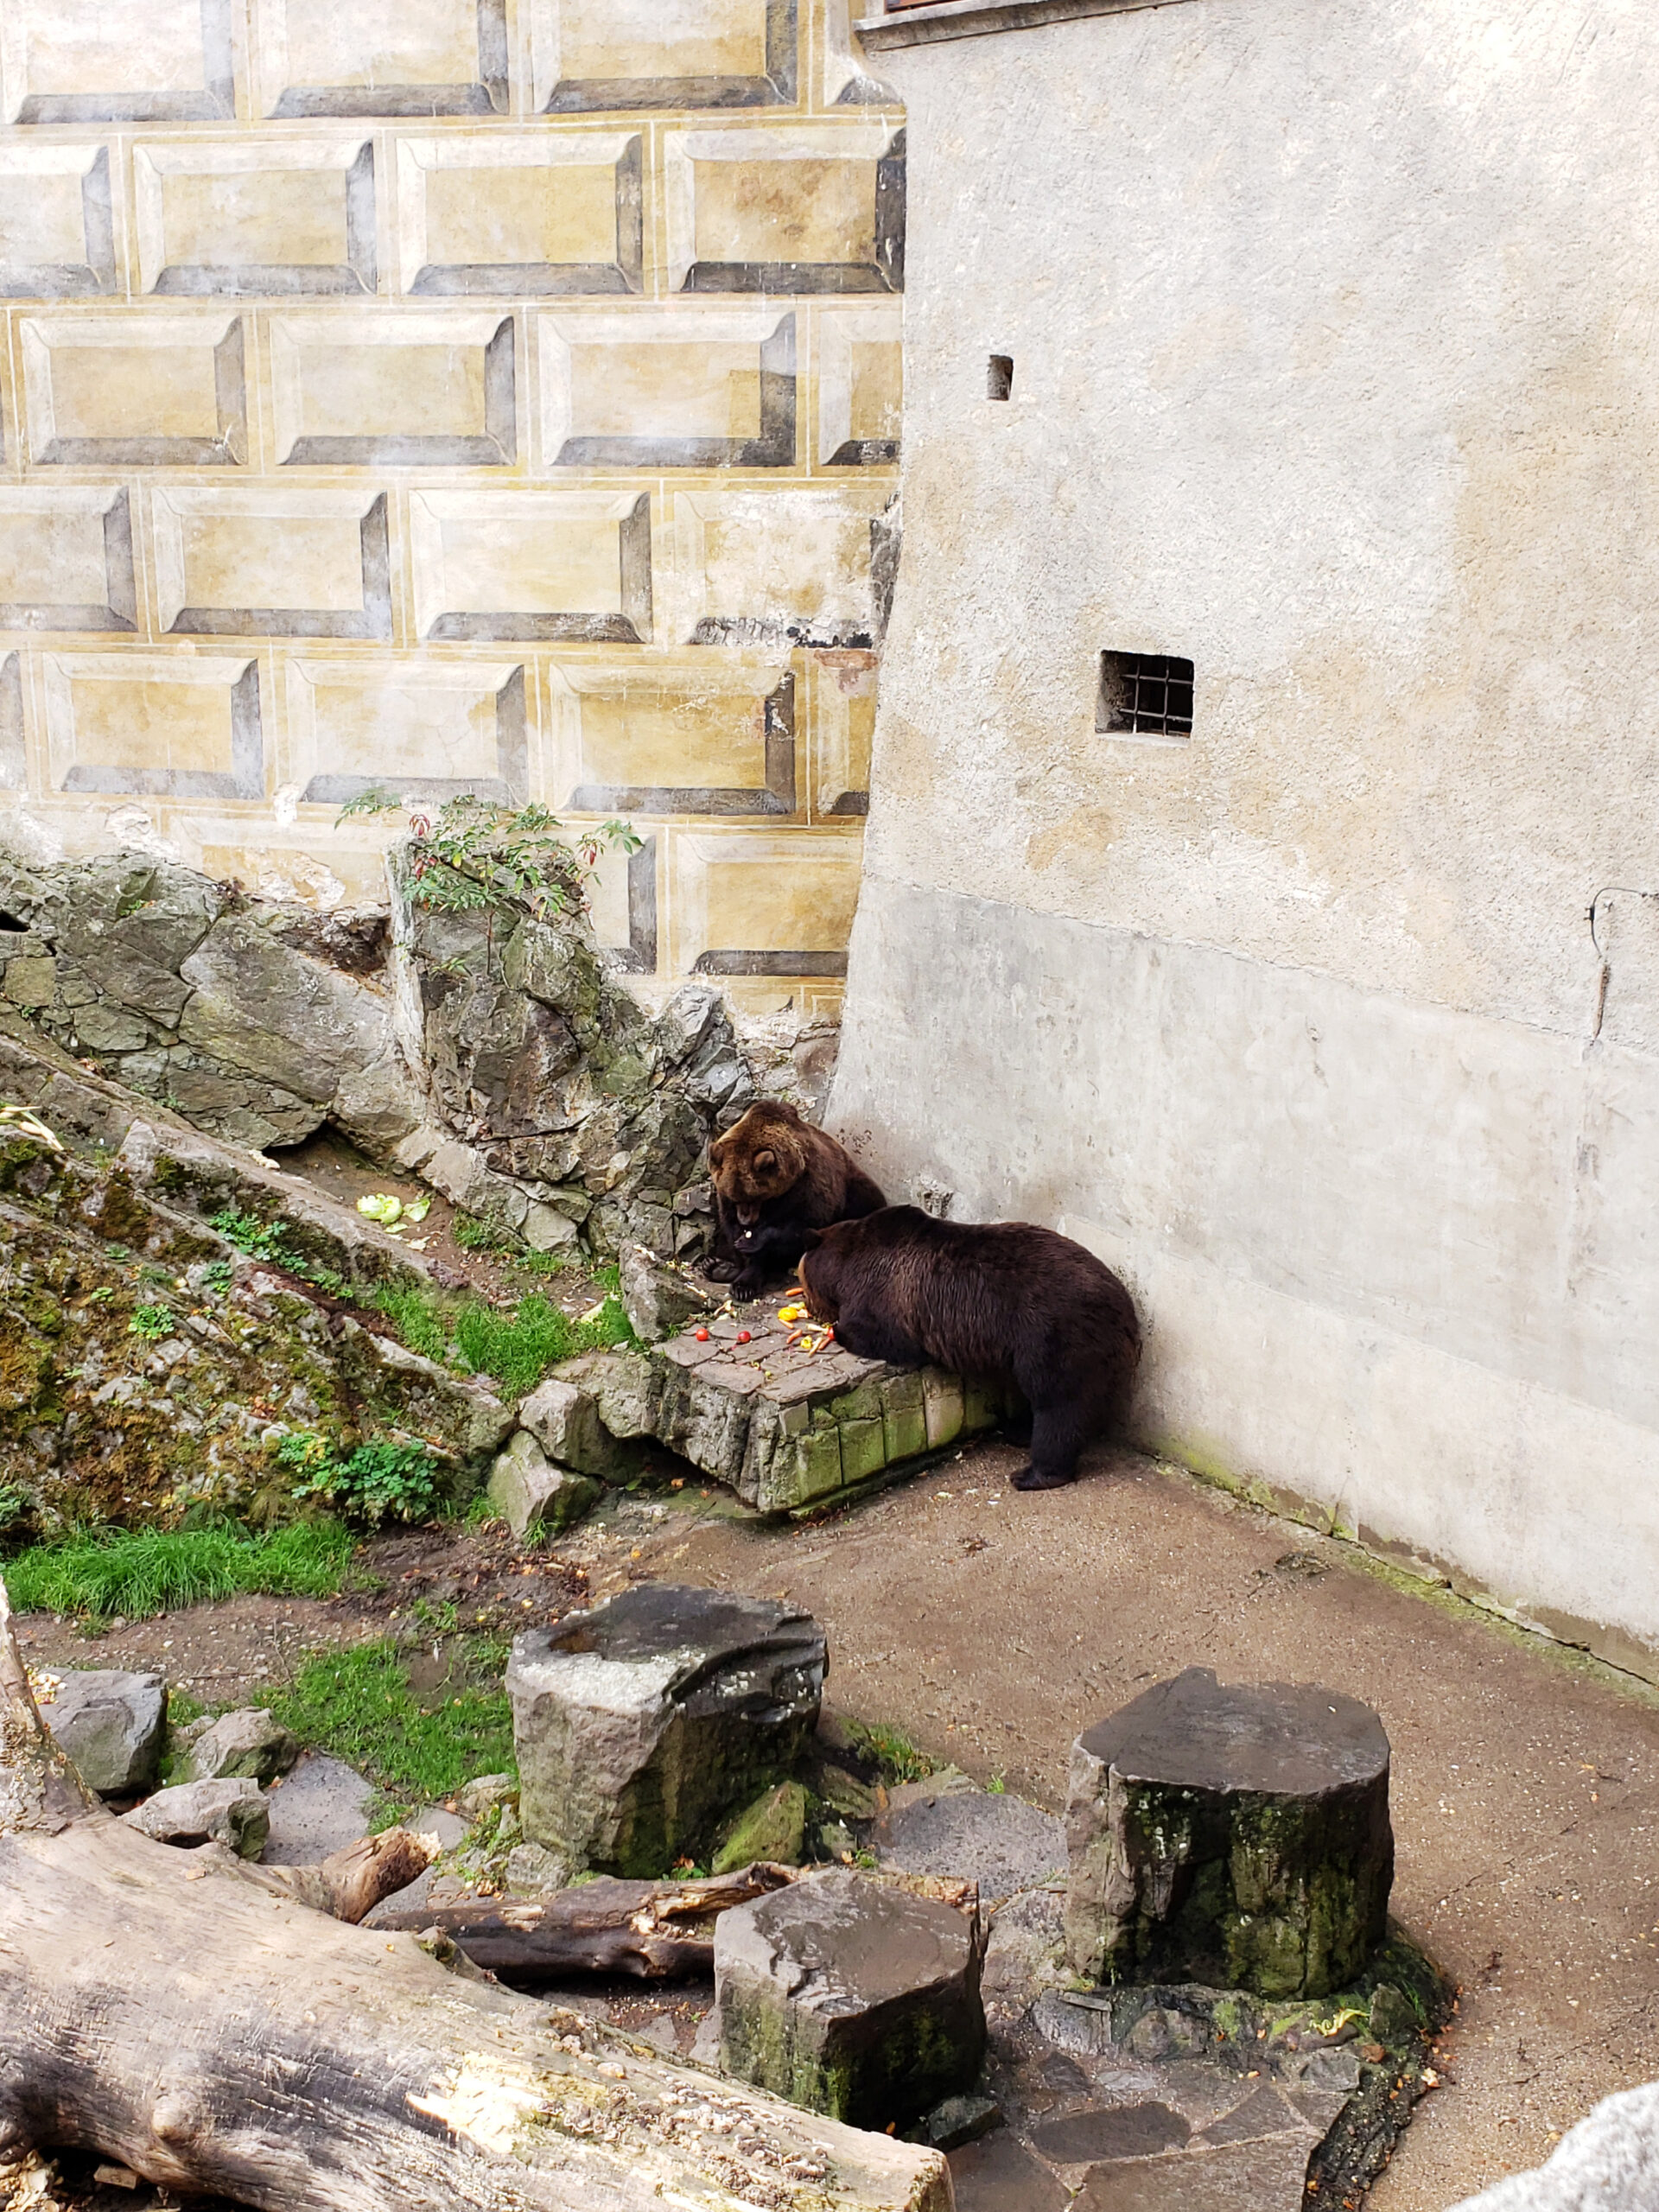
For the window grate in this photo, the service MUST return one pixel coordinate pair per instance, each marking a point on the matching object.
(1144, 694)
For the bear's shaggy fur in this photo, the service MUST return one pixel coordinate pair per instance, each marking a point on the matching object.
(776, 1178)
(1006, 1301)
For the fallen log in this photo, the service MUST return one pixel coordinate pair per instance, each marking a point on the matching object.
(349, 1884)
(181, 2019)
(655, 1931)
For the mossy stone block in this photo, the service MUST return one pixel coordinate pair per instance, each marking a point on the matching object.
(773, 1828)
(903, 1417)
(851, 1997)
(863, 1449)
(943, 1397)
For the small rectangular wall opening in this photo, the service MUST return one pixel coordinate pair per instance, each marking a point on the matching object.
(1144, 695)
(999, 376)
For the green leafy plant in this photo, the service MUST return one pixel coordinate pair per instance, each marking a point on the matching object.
(150, 1322)
(141, 1571)
(371, 1484)
(218, 1276)
(359, 1706)
(16, 1506)
(472, 853)
(996, 1786)
(260, 1240)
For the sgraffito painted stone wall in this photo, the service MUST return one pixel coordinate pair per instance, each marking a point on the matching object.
(446, 396)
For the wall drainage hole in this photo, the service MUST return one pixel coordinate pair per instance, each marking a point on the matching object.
(999, 376)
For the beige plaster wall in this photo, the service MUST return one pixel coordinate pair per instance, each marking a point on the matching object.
(1334, 372)
(450, 395)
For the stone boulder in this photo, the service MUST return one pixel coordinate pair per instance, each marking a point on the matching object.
(564, 1421)
(773, 1828)
(1608, 2162)
(252, 1744)
(111, 1725)
(1235, 1835)
(642, 1724)
(851, 1997)
(659, 1300)
(528, 1490)
(232, 1812)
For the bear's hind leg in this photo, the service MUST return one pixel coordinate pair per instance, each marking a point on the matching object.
(1058, 1435)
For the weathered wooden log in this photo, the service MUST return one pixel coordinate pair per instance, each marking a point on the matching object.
(653, 1931)
(177, 2016)
(349, 1884)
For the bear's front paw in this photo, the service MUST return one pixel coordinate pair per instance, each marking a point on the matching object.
(1031, 1477)
(720, 1270)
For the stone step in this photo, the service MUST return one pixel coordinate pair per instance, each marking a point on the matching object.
(788, 1425)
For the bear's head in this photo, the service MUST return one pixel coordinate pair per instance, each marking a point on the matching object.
(759, 1158)
(819, 1273)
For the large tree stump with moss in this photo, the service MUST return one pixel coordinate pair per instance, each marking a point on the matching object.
(642, 1724)
(1237, 1835)
(851, 1996)
(166, 2009)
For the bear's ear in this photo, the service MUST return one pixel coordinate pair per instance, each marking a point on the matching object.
(814, 1238)
(766, 1158)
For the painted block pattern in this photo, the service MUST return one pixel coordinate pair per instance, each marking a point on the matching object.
(446, 396)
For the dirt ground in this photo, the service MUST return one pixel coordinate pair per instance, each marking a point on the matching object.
(992, 1626)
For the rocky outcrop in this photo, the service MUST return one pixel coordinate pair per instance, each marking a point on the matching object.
(255, 1022)
(148, 1364)
(529, 1491)
(550, 1086)
(489, 1050)
(641, 1725)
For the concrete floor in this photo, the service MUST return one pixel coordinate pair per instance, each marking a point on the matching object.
(993, 1626)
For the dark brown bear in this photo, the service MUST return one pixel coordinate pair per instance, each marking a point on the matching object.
(776, 1180)
(1005, 1300)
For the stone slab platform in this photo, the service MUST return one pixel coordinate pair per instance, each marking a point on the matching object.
(788, 1426)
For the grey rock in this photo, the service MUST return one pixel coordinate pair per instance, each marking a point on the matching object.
(252, 1743)
(659, 1300)
(1608, 2162)
(483, 1794)
(532, 1871)
(997, 1840)
(640, 1725)
(232, 1812)
(101, 1027)
(1270, 1800)
(564, 1421)
(528, 1490)
(960, 2120)
(260, 1005)
(111, 1725)
(850, 1997)
(319, 1807)
(625, 1389)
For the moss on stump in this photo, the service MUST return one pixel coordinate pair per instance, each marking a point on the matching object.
(1235, 1835)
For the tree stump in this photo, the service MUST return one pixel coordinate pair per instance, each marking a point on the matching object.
(642, 1724)
(851, 1997)
(1235, 1835)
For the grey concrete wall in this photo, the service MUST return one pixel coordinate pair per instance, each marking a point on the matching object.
(1334, 371)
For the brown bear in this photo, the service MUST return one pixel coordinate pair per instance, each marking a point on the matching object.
(776, 1178)
(1005, 1300)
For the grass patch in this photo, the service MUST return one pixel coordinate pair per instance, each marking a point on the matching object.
(138, 1572)
(514, 1346)
(357, 1706)
(893, 1753)
(416, 1317)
